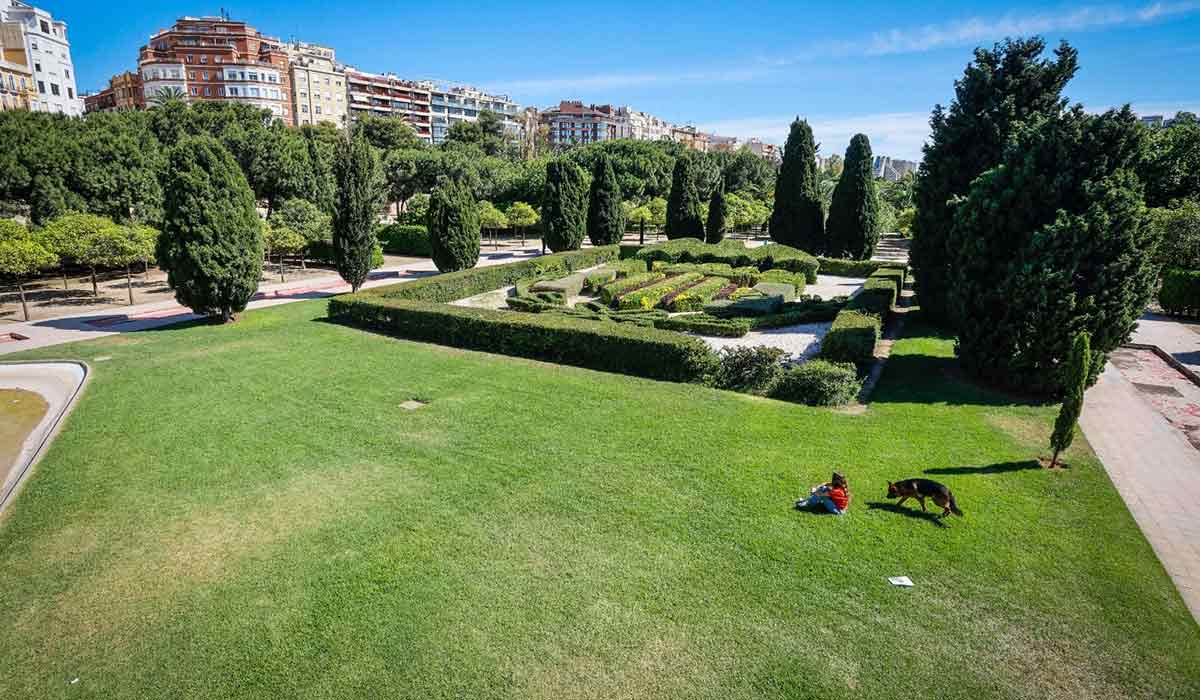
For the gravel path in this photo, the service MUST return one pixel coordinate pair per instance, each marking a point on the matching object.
(799, 342)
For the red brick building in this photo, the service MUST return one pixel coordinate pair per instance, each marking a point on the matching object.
(124, 91)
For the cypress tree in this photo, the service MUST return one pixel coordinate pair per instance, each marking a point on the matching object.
(605, 219)
(1001, 88)
(853, 227)
(453, 223)
(1075, 380)
(798, 218)
(715, 230)
(683, 204)
(1052, 241)
(564, 206)
(360, 191)
(211, 242)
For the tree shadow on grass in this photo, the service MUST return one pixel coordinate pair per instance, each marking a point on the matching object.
(915, 513)
(997, 468)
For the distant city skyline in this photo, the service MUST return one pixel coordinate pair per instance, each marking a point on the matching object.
(739, 70)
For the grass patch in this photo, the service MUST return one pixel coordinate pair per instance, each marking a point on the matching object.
(246, 511)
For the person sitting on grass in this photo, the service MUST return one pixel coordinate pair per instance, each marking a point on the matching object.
(833, 496)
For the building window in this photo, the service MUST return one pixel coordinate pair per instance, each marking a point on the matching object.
(54, 89)
(195, 91)
(45, 26)
(304, 108)
(317, 109)
(71, 93)
(66, 74)
(33, 45)
(204, 59)
(220, 91)
(205, 74)
(208, 92)
(188, 58)
(191, 75)
(37, 67)
(218, 59)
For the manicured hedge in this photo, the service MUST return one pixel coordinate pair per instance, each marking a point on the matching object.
(571, 285)
(877, 297)
(703, 324)
(780, 276)
(611, 291)
(798, 312)
(733, 253)
(465, 283)
(1180, 292)
(783, 290)
(779, 256)
(595, 280)
(851, 338)
(405, 239)
(611, 347)
(648, 297)
(693, 298)
(747, 306)
(747, 276)
(840, 267)
(818, 383)
(893, 275)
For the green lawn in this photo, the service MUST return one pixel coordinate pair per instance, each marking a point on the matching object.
(245, 511)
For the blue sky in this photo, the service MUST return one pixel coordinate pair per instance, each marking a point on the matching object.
(739, 68)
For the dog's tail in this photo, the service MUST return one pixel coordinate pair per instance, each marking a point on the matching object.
(954, 506)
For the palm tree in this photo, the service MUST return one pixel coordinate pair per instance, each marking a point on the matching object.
(167, 95)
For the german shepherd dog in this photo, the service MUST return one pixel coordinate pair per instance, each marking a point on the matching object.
(921, 489)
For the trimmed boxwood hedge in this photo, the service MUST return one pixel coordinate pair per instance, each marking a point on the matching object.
(852, 337)
(1180, 292)
(452, 286)
(610, 347)
(405, 239)
(734, 253)
(795, 313)
(613, 290)
(703, 324)
(818, 383)
(877, 297)
(747, 276)
(840, 267)
(693, 298)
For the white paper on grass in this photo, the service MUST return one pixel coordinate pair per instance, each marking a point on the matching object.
(900, 581)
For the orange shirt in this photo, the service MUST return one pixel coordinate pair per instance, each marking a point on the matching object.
(839, 498)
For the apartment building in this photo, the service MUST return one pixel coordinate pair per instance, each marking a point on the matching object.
(642, 126)
(124, 92)
(16, 75)
(452, 104)
(48, 53)
(892, 168)
(385, 95)
(574, 123)
(723, 143)
(318, 85)
(215, 58)
(691, 138)
(768, 151)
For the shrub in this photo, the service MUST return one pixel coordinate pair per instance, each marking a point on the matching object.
(1178, 233)
(694, 297)
(571, 285)
(851, 338)
(743, 276)
(795, 280)
(405, 239)
(1180, 292)
(746, 306)
(877, 297)
(798, 312)
(840, 267)
(626, 348)
(648, 297)
(595, 280)
(776, 255)
(818, 383)
(752, 370)
(610, 292)
(714, 229)
(704, 324)
(453, 227)
(784, 290)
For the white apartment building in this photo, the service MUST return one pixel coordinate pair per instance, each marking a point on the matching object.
(633, 124)
(318, 85)
(452, 104)
(49, 55)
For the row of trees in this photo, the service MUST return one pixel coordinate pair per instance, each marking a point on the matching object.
(1031, 223)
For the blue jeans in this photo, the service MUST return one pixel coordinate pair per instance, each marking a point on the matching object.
(820, 497)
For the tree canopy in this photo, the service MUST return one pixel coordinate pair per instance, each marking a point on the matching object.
(798, 218)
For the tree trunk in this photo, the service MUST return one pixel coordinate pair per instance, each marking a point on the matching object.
(64, 271)
(281, 277)
(1054, 459)
(129, 284)
(522, 236)
(642, 232)
(95, 288)
(24, 308)
(226, 316)
(146, 270)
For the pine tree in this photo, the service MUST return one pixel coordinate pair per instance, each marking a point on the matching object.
(717, 212)
(798, 218)
(211, 242)
(606, 218)
(683, 204)
(853, 227)
(1075, 381)
(1001, 88)
(360, 190)
(453, 223)
(564, 206)
(1052, 241)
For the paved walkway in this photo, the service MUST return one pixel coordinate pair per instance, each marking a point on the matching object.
(1156, 471)
(16, 337)
(1179, 337)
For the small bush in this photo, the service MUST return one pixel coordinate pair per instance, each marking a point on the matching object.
(818, 383)
(840, 267)
(752, 370)
(876, 298)
(1180, 292)
(851, 338)
(405, 239)
(748, 305)
(703, 324)
(779, 256)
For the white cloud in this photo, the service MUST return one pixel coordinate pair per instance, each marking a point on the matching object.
(896, 134)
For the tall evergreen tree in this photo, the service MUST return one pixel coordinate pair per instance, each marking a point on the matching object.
(453, 223)
(1053, 241)
(606, 218)
(322, 176)
(853, 227)
(1075, 381)
(714, 231)
(1001, 88)
(683, 204)
(360, 192)
(211, 242)
(798, 219)
(564, 206)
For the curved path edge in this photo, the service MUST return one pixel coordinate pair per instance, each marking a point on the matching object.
(60, 383)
